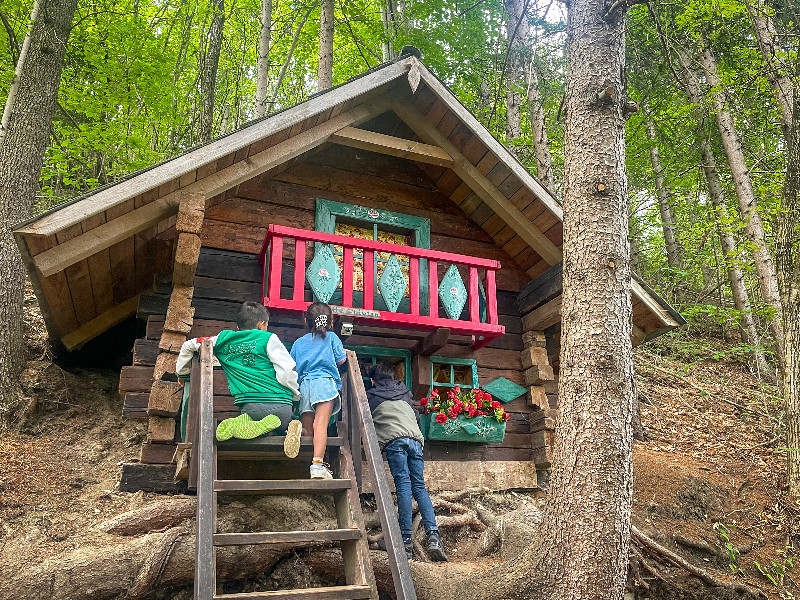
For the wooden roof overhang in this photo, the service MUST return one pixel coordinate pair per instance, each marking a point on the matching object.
(90, 258)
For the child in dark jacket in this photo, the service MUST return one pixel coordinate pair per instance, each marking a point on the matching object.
(399, 436)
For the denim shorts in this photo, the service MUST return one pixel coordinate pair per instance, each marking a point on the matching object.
(315, 391)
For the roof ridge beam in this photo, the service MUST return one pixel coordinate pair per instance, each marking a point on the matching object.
(487, 191)
(63, 255)
(391, 145)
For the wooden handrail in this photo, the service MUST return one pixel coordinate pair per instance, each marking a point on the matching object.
(279, 231)
(205, 575)
(358, 410)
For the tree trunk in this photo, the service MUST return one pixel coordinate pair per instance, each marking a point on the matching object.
(21, 156)
(767, 279)
(23, 53)
(788, 261)
(764, 29)
(325, 70)
(663, 194)
(208, 83)
(262, 69)
(387, 19)
(517, 33)
(541, 145)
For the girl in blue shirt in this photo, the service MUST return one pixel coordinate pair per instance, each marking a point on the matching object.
(318, 354)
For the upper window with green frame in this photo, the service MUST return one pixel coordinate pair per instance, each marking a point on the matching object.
(447, 373)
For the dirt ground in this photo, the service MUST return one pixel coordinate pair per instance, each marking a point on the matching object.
(709, 481)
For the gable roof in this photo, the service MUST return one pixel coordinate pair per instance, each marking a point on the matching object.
(90, 258)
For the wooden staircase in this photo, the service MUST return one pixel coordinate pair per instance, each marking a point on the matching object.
(350, 533)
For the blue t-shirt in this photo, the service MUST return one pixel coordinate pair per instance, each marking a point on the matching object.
(316, 357)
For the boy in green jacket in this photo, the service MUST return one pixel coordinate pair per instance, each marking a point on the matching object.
(261, 376)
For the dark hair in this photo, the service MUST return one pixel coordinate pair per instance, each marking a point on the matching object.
(251, 314)
(315, 322)
(381, 371)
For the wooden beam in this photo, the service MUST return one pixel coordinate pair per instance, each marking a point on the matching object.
(501, 205)
(75, 339)
(79, 210)
(393, 146)
(466, 117)
(60, 257)
(433, 342)
(543, 317)
(540, 290)
(639, 292)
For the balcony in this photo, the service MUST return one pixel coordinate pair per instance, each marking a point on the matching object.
(369, 281)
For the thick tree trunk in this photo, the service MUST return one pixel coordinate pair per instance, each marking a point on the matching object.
(23, 53)
(208, 82)
(325, 70)
(663, 193)
(788, 262)
(541, 145)
(21, 156)
(764, 29)
(262, 68)
(767, 279)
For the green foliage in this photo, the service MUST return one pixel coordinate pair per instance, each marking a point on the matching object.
(724, 532)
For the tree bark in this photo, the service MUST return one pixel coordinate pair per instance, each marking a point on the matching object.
(208, 82)
(387, 19)
(764, 29)
(325, 70)
(23, 53)
(21, 157)
(663, 193)
(517, 33)
(541, 145)
(787, 257)
(262, 68)
(765, 270)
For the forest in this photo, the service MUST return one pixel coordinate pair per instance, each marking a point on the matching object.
(666, 130)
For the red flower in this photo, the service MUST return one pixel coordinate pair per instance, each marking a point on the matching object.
(495, 404)
(441, 418)
(457, 390)
(424, 401)
(506, 416)
(487, 396)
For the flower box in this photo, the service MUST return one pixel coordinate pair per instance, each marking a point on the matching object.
(463, 429)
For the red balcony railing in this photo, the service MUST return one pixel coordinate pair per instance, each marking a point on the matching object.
(415, 295)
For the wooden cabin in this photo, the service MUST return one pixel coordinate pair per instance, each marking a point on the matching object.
(383, 196)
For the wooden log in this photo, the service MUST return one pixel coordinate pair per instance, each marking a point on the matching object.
(145, 352)
(433, 342)
(180, 313)
(157, 453)
(165, 399)
(152, 517)
(543, 317)
(134, 406)
(187, 253)
(537, 396)
(152, 305)
(534, 339)
(546, 422)
(135, 379)
(538, 374)
(150, 478)
(191, 211)
(160, 429)
(165, 363)
(181, 460)
(171, 342)
(534, 357)
(541, 290)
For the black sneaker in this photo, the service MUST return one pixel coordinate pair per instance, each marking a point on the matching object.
(409, 546)
(435, 549)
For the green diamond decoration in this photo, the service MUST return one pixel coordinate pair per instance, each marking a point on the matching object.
(323, 274)
(503, 389)
(392, 284)
(452, 293)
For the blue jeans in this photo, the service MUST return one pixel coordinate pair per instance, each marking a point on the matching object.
(404, 456)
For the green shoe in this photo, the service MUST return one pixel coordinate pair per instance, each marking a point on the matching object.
(227, 428)
(252, 429)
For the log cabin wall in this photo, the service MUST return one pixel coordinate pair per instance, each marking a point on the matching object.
(228, 273)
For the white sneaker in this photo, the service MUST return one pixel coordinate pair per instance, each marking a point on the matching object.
(320, 471)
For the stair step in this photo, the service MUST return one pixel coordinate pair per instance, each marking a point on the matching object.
(281, 486)
(342, 592)
(268, 442)
(286, 537)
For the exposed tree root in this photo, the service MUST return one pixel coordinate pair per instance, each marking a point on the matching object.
(153, 517)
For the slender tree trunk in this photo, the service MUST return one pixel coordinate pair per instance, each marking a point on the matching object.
(387, 19)
(21, 156)
(208, 83)
(262, 68)
(767, 279)
(741, 299)
(633, 241)
(764, 29)
(289, 55)
(23, 53)
(484, 103)
(517, 34)
(541, 145)
(325, 70)
(788, 261)
(663, 193)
